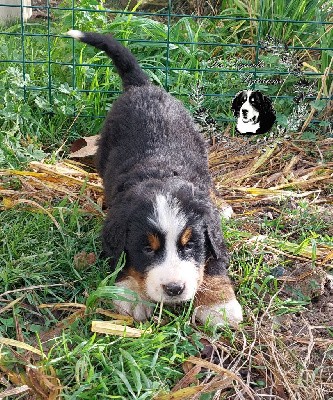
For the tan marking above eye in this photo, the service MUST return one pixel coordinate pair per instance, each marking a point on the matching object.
(154, 241)
(186, 236)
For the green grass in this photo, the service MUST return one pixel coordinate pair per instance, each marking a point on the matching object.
(35, 252)
(121, 367)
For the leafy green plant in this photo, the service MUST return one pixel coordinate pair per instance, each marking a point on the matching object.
(63, 88)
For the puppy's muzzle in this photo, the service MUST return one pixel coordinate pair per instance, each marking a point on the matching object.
(174, 288)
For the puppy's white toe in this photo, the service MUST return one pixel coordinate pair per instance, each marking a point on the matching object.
(220, 314)
(138, 309)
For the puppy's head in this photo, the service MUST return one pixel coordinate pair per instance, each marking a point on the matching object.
(167, 238)
(245, 107)
(251, 108)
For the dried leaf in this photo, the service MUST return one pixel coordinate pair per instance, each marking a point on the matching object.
(181, 394)
(67, 175)
(83, 307)
(45, 385)
(305, 64)
(189, 378)
(62, 306)
(20, 345)
(221, 371)
(129, 320)
(10, 305)
(7, 203)
(84, 260)
(84, 147)
(14, 391)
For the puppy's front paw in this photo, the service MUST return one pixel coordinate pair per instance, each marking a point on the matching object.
(134, 305)
(220, 314)
(216, 303)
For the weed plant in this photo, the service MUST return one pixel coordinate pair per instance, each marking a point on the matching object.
(55, 90)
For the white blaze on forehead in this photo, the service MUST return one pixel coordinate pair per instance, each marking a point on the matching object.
(168, 216)
(171, 221)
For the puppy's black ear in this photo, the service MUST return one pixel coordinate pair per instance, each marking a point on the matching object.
(237, 103)
(269, 108)
(267, 115)
(265, 105)
(114, 233)
(217, 258)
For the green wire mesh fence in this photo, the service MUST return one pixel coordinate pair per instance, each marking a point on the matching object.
(203, 52)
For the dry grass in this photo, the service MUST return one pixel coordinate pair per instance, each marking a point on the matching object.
(268, 171)
(43, 184)
(242, 172)
(249, 176)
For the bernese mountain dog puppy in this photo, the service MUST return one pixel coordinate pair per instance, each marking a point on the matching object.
(254, 112)
(154, 166)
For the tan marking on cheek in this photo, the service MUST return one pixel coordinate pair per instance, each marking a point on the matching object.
(154, 241)
(186, 236)
(214, 290)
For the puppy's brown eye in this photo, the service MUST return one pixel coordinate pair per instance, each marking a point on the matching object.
(148, 250)
(188, 249)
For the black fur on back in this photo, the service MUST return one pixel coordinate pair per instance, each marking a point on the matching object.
(149, 144)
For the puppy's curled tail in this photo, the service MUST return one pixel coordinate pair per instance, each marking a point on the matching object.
(124, 61)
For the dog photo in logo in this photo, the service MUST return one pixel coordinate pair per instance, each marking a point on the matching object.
(254, 112)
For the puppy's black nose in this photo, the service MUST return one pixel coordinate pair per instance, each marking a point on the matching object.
(245, 112)
(174, 289)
